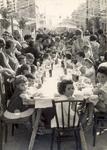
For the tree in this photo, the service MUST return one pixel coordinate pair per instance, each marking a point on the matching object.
(22, 23)
(94, 22)
(5, 23)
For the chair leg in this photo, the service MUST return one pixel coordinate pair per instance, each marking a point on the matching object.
(79, 140)
(1, 135)
(52, 139)
(94, 135)
(58, 142)
(6, 132)
(102, 125)
(76, 140)
(13, 129)
(32, 120)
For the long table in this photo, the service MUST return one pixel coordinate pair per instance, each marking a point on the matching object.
(49, 88)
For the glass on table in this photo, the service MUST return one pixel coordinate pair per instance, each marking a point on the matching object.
(65, 71)
(38, 65)
(50, 72)
(62, 64)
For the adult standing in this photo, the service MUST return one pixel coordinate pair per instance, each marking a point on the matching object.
(10, 53)
(103, 42)
(32, 48)
(4, 62)
(95, 47)
(79, 43)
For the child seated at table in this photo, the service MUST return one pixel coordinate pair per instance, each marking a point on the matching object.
(31, 79)
(66, 90)
(30, 59)
(88, 51)
(68, 60)
(90, 70)
(80, 60)
(102, 100)
(33, 70)
(15, 104)
(31, 85)
(22, 60)
(98, 99)
(23, 70)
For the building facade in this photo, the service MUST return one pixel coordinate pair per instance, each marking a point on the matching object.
(95, 11)
(79, 16)
(3, 4)
(103, 12)
(26, 8)
(9, 4)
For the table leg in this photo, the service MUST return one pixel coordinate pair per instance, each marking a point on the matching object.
(1, 136)
(35, 128)
(83, 140)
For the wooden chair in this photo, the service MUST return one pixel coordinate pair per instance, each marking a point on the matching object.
(100, 123)
(23, 118)
(15, 122)
(67, 127)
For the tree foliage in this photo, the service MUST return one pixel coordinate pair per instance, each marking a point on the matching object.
(22, 23)
(5, 23)
(4, 13)
(94, 22)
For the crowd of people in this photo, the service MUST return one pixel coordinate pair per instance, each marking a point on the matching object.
(22, 61)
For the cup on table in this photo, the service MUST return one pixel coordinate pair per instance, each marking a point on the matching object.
(50, 72)
(62, 64)
(65, 71)
(44, 74)
(42, 79)
(52, 66)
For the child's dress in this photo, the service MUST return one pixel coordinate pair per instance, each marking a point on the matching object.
(65, 109)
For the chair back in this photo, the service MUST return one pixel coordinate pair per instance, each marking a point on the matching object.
(68, 113)
(2, 95)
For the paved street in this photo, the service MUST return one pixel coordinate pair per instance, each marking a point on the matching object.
(21, 138)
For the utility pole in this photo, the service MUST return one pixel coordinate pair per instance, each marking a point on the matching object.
(12, 28)
(87, 14)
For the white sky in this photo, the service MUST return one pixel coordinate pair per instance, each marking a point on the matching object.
(55, 8)
(58, 7)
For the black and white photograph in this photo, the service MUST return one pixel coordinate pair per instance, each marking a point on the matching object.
(53, 74)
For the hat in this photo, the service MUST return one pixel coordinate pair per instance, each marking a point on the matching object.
(89, 60)
(78, 32)
(21, 57)
(104, 64)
